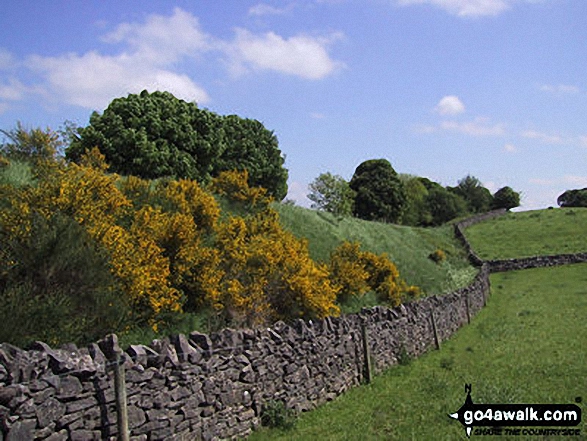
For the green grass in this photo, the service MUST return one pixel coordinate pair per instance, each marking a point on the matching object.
(526, 346)
(407, 247)
(531, 233)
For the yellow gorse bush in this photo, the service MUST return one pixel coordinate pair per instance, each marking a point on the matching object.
(169, 250)
(354, 272)
(267, 273)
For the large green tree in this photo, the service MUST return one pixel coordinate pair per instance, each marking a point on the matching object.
(444, 205)
(153, 135)
(380, 194)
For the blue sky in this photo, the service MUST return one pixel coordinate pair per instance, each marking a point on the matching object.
(441, 88)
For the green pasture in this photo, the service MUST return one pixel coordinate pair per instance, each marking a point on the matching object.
(531, 233)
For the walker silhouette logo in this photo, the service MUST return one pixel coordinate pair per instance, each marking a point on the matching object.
(499, 416)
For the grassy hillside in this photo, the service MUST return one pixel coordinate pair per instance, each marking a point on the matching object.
(407, 247)
(534, 321)
(531, 233)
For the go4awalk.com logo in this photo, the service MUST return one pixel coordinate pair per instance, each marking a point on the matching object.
(503, 419)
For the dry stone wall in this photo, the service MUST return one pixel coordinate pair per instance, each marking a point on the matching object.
(214, 386)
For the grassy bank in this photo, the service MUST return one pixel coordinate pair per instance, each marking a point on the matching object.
(531, 233)
(407, 247)
(526, 346)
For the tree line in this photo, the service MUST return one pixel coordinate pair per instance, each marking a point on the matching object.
(377, 192)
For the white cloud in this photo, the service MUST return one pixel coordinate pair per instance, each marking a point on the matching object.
(560, 89)
(150, 52)
(265, 9)
(450, 105)
(13, 90)
(510, 148)
(161, 40)
(468, 8)
(543, 137)
(477, 127)
(300, 55)
(6, 59)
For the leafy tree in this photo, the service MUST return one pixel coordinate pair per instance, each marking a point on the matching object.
(416, 212)
(477, 197)
(573, 198)
(30, 145)
(251, 147)
(506, 198)
(154, 135)
(333, 194)
(444, 205)
(380, 194)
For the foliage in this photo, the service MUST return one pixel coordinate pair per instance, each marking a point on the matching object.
(267, 273)
(354, 272)
(573, 198)
(250, 147)
(275, 414)
(234, 185)
(56, 286)
(30, 145)
(348, 271)
(416, 212)
(437, 256)
(444, 205)
(333, 194)
(507, 198)
(380, 195)
(477, 197)
(154, 135)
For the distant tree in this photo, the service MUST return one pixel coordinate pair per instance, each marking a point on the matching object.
(506, 198)
(573, 198)
(477, 197)
(154, 135)
(380, 195)
(30, 144)
(333, 194)
(444, 205)
(416, 212)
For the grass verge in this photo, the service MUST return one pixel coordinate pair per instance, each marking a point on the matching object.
(526, 346)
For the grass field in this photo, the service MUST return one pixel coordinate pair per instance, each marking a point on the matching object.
(407, 247)
(531, 233)
(526, 346)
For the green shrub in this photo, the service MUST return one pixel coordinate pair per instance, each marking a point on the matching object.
(437, 256)
(276, 415)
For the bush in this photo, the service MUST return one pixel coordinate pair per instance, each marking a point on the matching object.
(354, 272)
(437, 256)
(276, 415)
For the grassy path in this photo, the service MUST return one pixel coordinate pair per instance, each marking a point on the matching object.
(527, 346)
